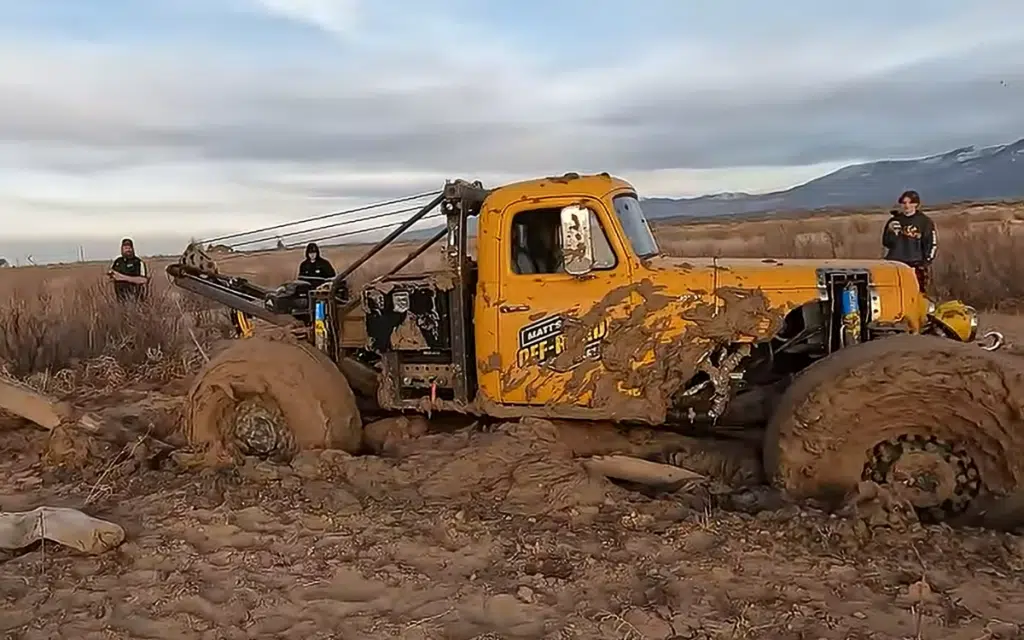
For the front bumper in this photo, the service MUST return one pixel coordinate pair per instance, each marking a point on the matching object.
(959, 321)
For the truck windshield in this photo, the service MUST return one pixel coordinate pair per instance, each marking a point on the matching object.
(627, 207)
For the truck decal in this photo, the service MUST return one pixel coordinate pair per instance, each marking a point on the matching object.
(544, 339)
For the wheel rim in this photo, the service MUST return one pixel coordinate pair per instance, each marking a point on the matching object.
(937, 478)
(257, 427)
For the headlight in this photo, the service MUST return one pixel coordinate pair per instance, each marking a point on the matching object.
(973, 313)
(931, 308)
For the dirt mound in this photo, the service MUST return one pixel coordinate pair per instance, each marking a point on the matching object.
(525, 468)
(530, 467)
(386, 437)
(878, 506)
(735, 463)
(72, 450)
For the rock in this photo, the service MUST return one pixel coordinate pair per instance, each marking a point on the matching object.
(307, 464)
(876, 506)
(1016, 545)
(683, 628)
(649, 625)
(384, 437)
(502, 614)
(753, 500)
(844, 574)
(921, 593)
(699, 541)
(1003, 630)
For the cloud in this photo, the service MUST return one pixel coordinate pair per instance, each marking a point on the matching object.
(337, 17)
(383, 101)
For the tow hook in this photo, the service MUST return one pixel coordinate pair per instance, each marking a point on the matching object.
(991, 341)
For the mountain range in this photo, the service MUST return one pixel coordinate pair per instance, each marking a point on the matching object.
(969, 173)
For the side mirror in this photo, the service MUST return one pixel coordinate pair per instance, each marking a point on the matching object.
(577, 244)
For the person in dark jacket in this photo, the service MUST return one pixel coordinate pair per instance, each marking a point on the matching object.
(315, 269)
(909, 237)
(129, 274)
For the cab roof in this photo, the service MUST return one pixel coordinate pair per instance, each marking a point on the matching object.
(570, 184)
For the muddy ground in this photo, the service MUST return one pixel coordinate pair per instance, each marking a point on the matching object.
(477, 535)
(466, 535)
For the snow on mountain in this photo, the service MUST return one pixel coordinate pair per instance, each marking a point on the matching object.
(968, 173)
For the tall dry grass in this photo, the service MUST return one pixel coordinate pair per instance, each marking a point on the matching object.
(64, 324)
(70, 321)
(80, 334)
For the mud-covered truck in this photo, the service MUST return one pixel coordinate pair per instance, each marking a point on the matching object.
(568, 309)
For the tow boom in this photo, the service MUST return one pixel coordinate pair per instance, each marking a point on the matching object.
(231, 291)
(290, 303)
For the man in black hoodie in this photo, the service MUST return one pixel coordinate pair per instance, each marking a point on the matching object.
(315, 269)
(909, 237)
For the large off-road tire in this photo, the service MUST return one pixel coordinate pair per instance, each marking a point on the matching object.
(272, 398)
(939, 421)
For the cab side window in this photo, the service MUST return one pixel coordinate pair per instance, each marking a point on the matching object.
(537, 242)
(604, 257)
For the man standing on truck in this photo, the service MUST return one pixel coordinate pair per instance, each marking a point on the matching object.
(315, 269)
(909, 237)
(129, 274)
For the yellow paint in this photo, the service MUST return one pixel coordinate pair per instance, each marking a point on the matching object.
(245, 326)
(507, 302)
(635, 392)
(320, 333)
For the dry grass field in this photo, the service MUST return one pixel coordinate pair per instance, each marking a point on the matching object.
(458, 539)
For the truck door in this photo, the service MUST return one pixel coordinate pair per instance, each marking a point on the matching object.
(550, 322)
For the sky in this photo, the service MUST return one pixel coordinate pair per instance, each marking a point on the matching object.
(175, 118)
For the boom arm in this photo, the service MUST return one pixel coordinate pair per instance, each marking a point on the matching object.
(196, 272)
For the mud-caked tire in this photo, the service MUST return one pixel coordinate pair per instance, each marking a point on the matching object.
(859, 413)
(272, 398)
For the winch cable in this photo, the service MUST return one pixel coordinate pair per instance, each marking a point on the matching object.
(333, 225)
(337, 220)
(326, 216)
(355, 232)
(335, 236)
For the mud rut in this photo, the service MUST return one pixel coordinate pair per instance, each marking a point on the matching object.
(493, 534)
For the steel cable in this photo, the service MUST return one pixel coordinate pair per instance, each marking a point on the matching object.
(324, 227)
(326, 216)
